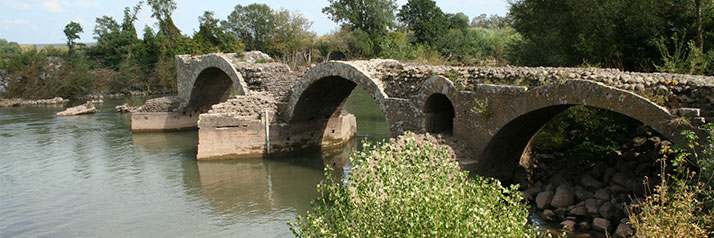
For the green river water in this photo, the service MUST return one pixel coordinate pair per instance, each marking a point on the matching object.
(89, 176)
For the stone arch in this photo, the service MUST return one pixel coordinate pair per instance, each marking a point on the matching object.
(328, 84)
(437, 100)
(321, 93)
(207, 81)
(439, 114)
(531, 110)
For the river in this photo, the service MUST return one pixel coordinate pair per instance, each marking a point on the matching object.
(89, 176)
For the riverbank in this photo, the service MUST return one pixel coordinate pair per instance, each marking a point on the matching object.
(17, 102)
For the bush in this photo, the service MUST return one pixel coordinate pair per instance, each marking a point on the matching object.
(413, 188)
(682, 204)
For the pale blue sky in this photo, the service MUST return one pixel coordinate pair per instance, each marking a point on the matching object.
(42, 21)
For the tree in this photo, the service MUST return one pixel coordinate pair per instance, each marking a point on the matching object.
(608, 33)
(252, 24)
(72, 31)
(490, 22)
(212, 37)
(161, 10)
(458, 21)
(425, 19)
(290, 36)
(375, 17)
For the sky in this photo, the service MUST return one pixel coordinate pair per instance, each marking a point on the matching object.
(43, 21)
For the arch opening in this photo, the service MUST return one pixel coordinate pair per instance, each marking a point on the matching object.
(332, 107)
(212, 86)
(581, 155)
(439, 114)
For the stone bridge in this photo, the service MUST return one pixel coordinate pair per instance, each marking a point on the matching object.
(495, 110)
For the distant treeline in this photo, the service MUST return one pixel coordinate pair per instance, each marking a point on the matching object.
(639, 35)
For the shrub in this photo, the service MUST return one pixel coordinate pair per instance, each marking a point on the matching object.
(413, 188)
(681, 205)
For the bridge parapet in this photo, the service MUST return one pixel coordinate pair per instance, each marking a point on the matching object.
(672, 91)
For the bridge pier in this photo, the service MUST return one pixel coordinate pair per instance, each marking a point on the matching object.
(223, 136)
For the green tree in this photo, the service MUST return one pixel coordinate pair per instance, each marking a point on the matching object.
(162, 10)
(374, 17)
(212, 37)
(291, 36)
(252, 24)
(72, 31)
(459, 21)
(609, 33)
(425, 19)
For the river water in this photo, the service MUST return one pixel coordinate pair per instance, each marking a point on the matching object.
(89, 176)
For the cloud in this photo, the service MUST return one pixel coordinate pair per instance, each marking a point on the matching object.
(52, 6)
(87, 4)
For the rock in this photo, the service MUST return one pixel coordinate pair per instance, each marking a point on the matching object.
(125, 108)
(598, 170)
(550, 187)
(256, 57)
(592, 205)
(581, 194)
(568, 225)
(532, 191)
(609, 172)
(543, 199)
(689, 112)
(579, 211)
(602, 194)
(643, 169)
(607, 210)
(583, 225)
(162, 104)
(558, 180)
(87, 108)
(589, 182)
(563, 197)
(601, 224)
(548, 215)
(623, 230)
(616, 190)
(561, 211)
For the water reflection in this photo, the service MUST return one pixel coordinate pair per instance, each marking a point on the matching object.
(252, 187)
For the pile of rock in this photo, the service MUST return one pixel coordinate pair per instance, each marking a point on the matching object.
(596, 198)
(255, 56)
(86, 108)
(125, 108)
(162, 104)
(251, 106)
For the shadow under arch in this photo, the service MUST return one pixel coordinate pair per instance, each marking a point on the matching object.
(439, 114)
(212, 86)
(500, 157)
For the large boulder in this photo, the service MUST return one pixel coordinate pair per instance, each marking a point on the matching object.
(543, 199)
(563, 197)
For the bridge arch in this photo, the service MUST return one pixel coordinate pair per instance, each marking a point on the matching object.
(517, 127)
(207, 81)
(321, 93)
(325, 87)
(437, 98)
